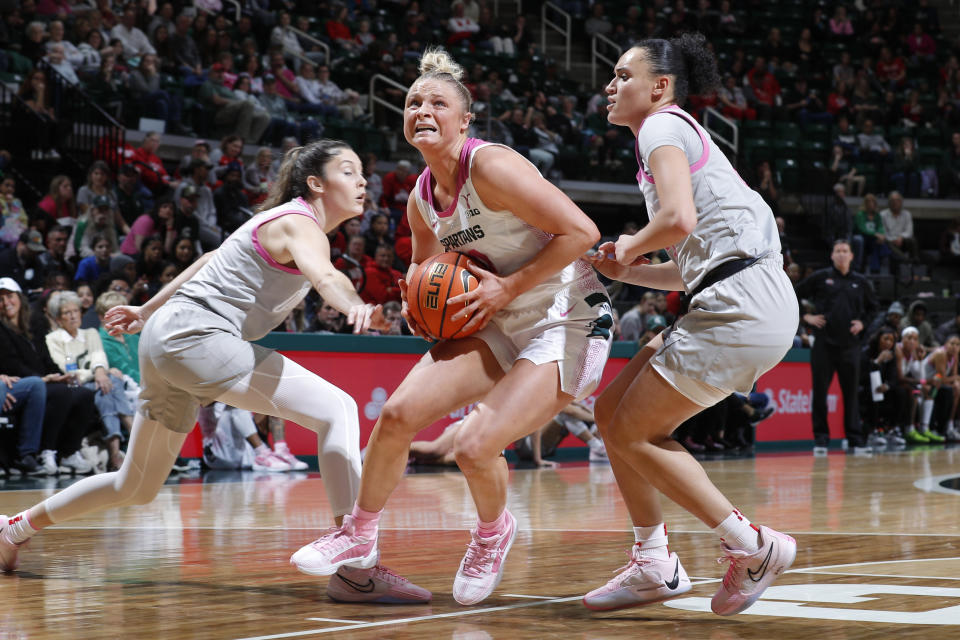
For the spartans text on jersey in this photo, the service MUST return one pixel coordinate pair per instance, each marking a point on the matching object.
(462, 237)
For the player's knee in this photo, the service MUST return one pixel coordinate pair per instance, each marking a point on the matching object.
(395, 420)
(472, 452)
(134, 491)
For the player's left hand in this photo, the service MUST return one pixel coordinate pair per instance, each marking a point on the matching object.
(483, 302)
(625, 253)
(367, 316)
(124, 319)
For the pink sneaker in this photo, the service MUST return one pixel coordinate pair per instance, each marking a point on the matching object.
(378, 584)
(643, 581)
(750, 574)
(482, 567)
(282, 451)
(338, 548)
(8, 548)
(269, 461)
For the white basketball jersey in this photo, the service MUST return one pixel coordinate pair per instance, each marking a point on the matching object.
(733, 221)
(497, 240)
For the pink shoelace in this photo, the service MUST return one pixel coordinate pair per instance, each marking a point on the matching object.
(387, 575)
(480, 553)
(635, 564)
(337, 537)
(735, 569)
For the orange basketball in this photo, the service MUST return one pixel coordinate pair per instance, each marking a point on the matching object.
(434, 281)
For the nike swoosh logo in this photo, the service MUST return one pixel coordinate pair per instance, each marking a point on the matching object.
(757, 575)
(362, 588)
(564, 314)
(673, 584)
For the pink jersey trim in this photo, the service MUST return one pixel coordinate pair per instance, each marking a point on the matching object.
(283, 212)
(642, 174)
(463, 174)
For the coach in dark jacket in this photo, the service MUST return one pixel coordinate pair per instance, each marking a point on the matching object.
(844, 304)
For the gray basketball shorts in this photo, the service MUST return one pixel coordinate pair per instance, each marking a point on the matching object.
(190, 356)
(735, 331)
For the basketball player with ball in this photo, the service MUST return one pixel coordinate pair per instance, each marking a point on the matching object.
(536, 329)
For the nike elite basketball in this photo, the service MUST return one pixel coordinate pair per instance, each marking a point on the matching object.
(436, 280)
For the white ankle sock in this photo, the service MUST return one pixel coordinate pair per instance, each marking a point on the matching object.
(19, 528)
(597, 443)
(262, 450)
(652, 541)
(737, 532)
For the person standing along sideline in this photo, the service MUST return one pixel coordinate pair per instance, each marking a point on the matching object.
(725, 254)
(543, 317)
(844, 303)
(195, 348)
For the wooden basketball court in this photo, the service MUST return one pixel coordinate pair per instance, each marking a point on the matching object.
(878, 557)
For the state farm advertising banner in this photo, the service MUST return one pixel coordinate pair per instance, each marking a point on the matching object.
(371, 377)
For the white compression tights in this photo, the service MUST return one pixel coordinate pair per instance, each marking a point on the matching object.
(150, 456)
(278, 387)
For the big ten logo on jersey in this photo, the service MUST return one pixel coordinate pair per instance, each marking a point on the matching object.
(434, 280)
(603, 325)
(467, 209)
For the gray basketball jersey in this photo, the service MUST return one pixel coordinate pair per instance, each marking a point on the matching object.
(733, 221)
(246, 286)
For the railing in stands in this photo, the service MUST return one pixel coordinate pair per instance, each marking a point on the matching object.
(386, 104)
(496, 6)
(600, 46)
(320, 43)
(713, 121)
(86, 132)
(19, 125)
(565, 31)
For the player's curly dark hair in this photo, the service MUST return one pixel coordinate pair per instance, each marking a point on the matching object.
(688, 59)
(299, 164)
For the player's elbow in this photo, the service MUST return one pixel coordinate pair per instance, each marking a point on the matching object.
(683, 220)
(586, 234)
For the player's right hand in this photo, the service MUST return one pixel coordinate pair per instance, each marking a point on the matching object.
(415, 328)
(605, 261)
(124, 319)
(367, 316)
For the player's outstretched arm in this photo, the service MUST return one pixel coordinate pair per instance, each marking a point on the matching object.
(129, 319)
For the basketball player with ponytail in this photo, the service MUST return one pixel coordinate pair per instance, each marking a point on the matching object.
(195, 348)
(725, 253)
(544, 325)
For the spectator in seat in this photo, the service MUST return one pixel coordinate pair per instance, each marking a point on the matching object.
(21, 264)
(873, 147)
(92, 267)
(153, 174)
(25, 400)
(633, 323)
(54, 259)
(59, 203)
(98, 221)
(186, 53)
(316, 86)
(259, 176)
(155, 101)
(328, 320)
(130, 200)
(135, 42)
(923, 49)
(869, 238)
(230, 112)
(898, 223)
(233, 208)
(734, 100)
(70, 413)
(397, 187)
(99, 183)
(950, 246)
(891, 72)
(597, 23)
(381, 278)
(205, 211)
(765, 88)
(917, 317)
(13, 217)
(72, 346)
(160, 221)
(355, 261)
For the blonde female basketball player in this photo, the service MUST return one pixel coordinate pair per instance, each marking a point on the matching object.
(725, 253)
(195, 349)
(544, 326)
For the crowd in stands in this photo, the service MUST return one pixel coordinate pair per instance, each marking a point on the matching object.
(867, 93)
